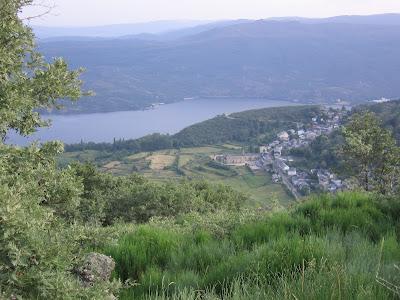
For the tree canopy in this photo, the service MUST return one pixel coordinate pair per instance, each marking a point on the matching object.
(27, 81)
(38, 242)
(371, 151)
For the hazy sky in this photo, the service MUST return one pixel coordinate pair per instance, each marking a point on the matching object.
(101, 12)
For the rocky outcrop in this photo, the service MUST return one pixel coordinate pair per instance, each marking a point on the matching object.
(95, 268)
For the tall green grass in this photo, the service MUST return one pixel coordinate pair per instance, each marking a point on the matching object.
(329, 247)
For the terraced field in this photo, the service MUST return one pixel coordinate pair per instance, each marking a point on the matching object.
(191, 163)
(196, 163)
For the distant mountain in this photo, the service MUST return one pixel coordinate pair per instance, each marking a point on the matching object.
(117, 30)
(168, 30)
(181, 33)
(287, 60)
(134, 31)
(383, 19)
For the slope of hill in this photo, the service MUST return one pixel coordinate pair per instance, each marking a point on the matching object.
(245, 126)
(327, 248)
(264, 59)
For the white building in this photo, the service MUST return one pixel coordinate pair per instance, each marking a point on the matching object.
(283, 166)
(292, 172)
(264, 149)
(283, 136)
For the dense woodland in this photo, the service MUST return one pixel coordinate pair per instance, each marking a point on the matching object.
(185, 240)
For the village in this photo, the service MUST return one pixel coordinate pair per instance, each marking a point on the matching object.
(274, 157)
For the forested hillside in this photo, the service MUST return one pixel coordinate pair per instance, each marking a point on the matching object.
(261, 124)
(284, 60)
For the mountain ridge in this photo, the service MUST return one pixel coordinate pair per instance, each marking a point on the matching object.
(262, 59)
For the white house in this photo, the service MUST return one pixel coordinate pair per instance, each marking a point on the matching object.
(264, 149)
(292, 172)
(283, 136)
(283, 166)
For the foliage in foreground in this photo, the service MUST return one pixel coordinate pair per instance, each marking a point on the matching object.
(107, 199)
(40, 241)
(330, 247)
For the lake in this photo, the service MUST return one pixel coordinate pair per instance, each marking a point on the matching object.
(169, 118)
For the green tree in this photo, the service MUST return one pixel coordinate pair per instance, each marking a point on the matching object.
(27, 81)
(371, 152)
(39, 242)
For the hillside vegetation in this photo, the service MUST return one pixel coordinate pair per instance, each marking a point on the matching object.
(388, 113)
(344, 247)
(247, 126)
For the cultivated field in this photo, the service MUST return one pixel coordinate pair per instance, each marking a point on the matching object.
(190, 163)
(194, 163)
(160, 161)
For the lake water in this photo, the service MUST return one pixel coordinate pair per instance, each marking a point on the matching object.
(170, 118)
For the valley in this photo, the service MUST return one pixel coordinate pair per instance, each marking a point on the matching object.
(256, 164)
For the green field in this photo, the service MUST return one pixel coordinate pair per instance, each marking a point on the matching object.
(194, 163)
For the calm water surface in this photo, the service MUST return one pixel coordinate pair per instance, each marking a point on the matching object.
(170, 118)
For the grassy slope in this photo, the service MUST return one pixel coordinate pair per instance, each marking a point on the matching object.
(327, 248)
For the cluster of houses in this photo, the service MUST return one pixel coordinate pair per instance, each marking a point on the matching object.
(303, 181)
(273, 157)
(328, 181)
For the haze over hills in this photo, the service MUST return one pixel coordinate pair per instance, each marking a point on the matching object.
(351, 57)
(115, 30)
(382, 19)
(176, 29)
